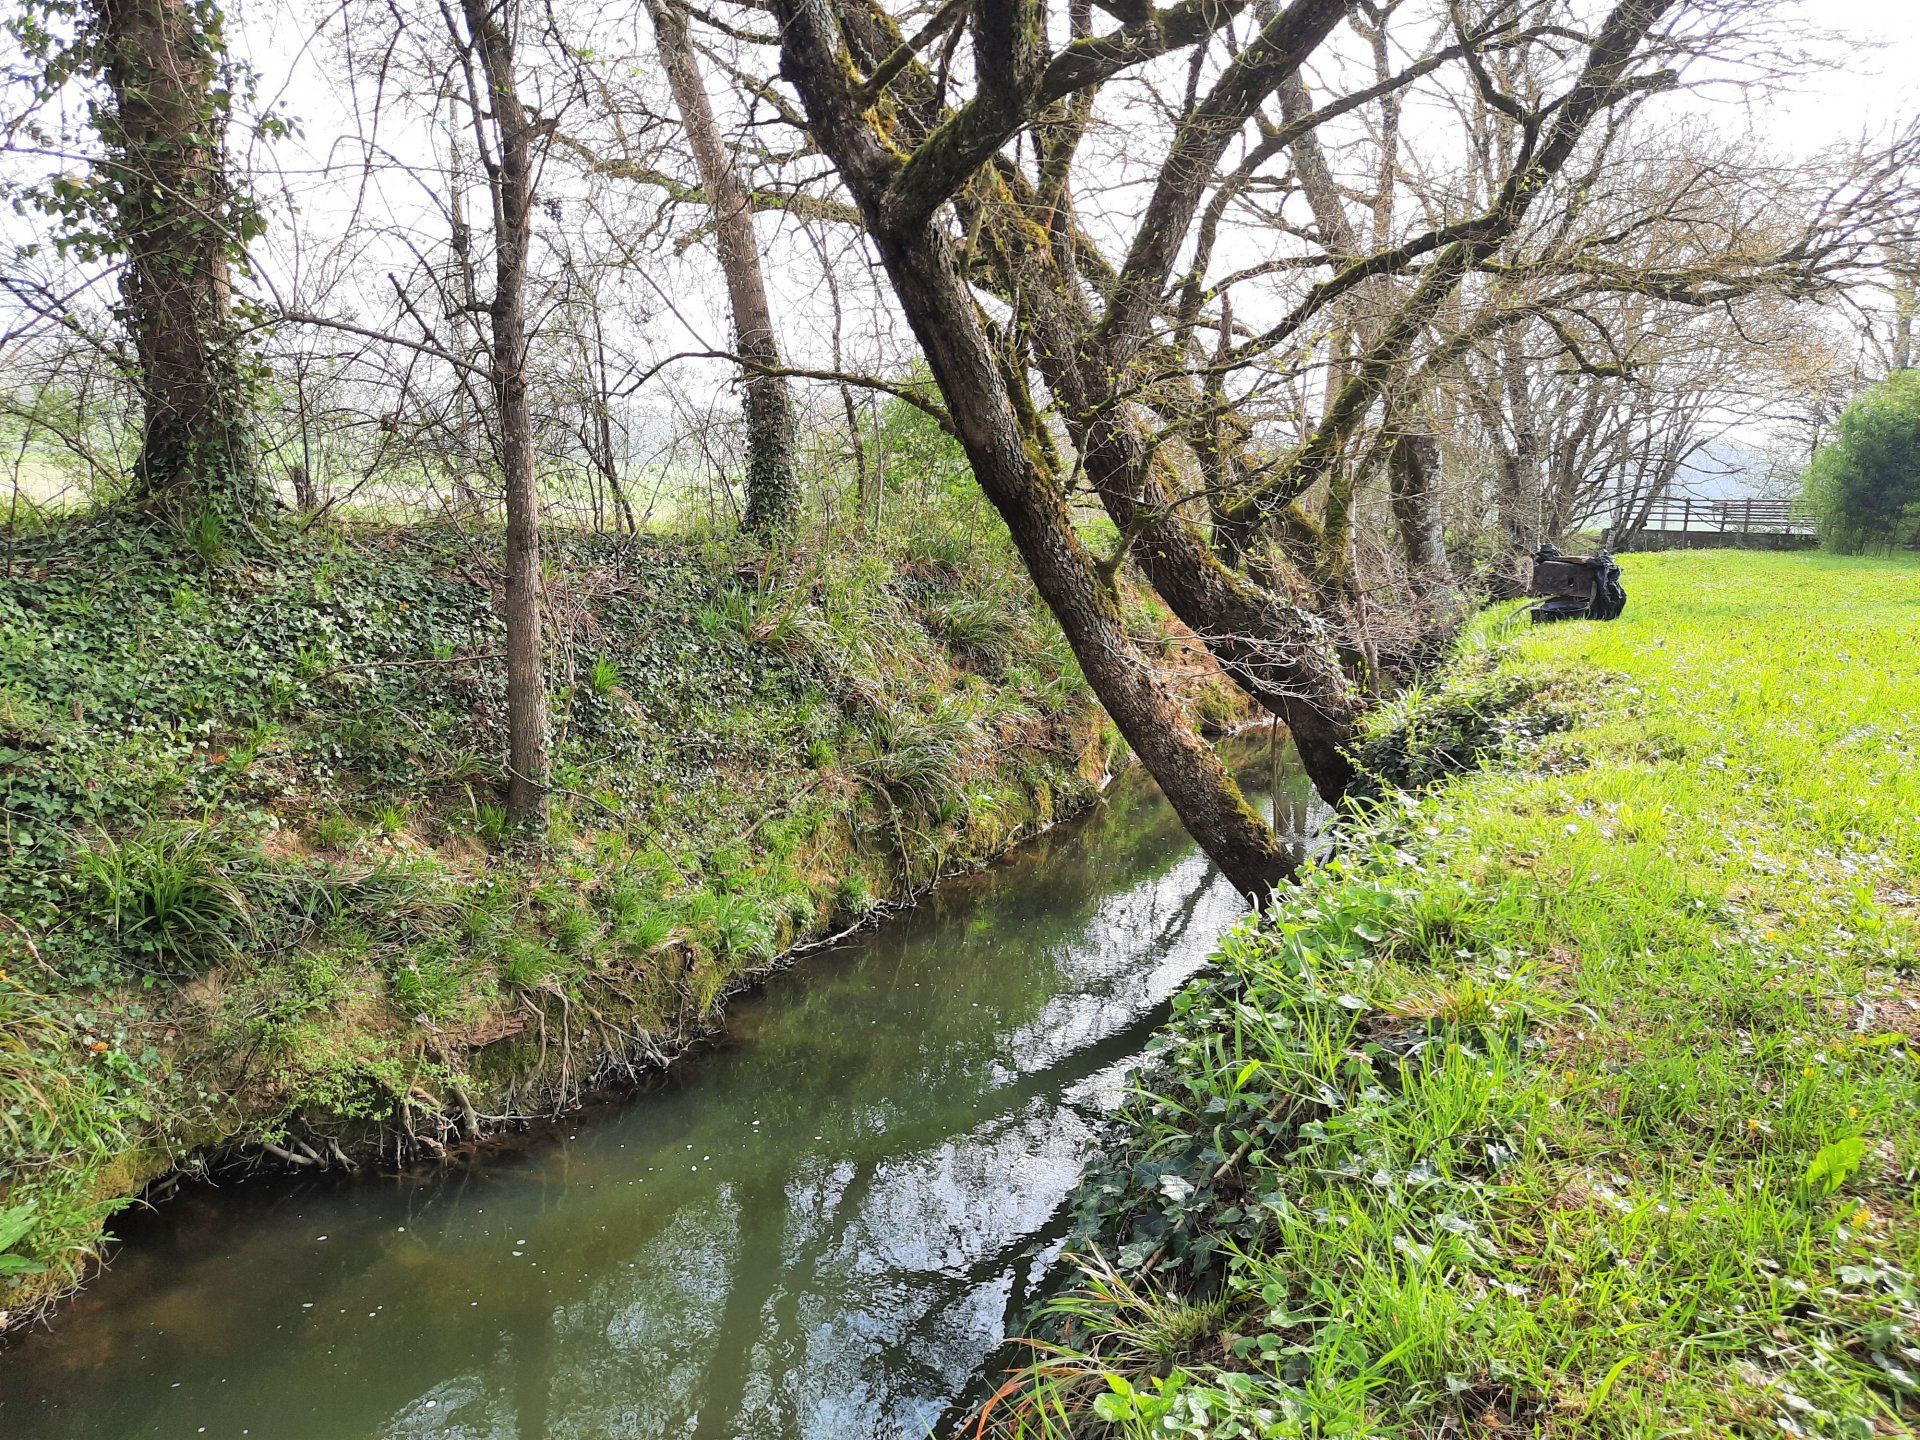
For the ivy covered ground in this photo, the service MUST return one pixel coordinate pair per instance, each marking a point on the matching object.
(258, 895)
(1581, 1094)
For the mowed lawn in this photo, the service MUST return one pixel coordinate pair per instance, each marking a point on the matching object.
(1582, 1097)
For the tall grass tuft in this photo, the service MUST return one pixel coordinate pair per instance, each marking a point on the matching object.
(172, 891)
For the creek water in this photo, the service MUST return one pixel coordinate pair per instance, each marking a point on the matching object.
(817, 1228)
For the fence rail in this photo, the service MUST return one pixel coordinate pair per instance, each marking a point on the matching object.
(1723, 517)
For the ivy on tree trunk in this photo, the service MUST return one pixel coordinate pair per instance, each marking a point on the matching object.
(169, 208)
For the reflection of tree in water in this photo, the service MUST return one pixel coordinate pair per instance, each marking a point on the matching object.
(864, 1293)
(788, 1285)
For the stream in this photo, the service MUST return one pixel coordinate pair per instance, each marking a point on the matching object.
(819, 1227)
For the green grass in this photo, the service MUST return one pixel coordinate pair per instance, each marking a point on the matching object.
(1581, 1094)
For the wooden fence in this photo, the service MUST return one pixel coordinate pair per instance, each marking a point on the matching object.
(1723, 517)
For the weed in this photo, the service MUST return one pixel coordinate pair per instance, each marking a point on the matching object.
(335, 832)
(171, 891)
(431, 982)
(641, 932)
(492, 823)
(914, 757)
(603, 675)
(525, 963)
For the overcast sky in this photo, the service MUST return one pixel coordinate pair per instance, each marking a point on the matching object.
(1876, 79)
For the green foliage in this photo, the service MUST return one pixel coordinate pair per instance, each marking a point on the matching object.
(525, 962)
(15, 1222)
(603, 675)
(1481, 714)
(170, 891)
(1575, 1096)
(432, 981)
(924, 462)
(913, 757)
(989, 630)
(1865, 484)
(253, 828)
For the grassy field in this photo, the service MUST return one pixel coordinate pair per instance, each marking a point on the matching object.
(1582, 1095)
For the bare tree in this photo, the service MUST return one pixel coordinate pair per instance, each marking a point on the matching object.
(773, 491)
(1103, 362)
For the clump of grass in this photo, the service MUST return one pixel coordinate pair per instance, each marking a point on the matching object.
(492, 823)
(852, 897)
(643, 932)
(526, 963)
(603, 675)
(335, 832)
(913, 757)
(989, 630)
(432, 981)
(172, 892)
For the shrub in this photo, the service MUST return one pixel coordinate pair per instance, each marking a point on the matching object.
(1865, 484)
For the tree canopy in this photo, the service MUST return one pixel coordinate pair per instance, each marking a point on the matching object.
(1865, 483)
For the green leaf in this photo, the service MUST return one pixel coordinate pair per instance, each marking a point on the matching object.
(1834, 1163)
(19, 1265)
(15, 1222)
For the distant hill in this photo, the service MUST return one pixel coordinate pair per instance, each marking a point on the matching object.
(1736, 470)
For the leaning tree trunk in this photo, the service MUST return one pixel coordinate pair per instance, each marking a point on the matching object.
(773, 491)
(934, 296)
(510, 177)
(1197, 784)
(173, 216)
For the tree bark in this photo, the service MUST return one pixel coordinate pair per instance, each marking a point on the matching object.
(938, 305)
(1195, 781)
(174, 218)
(1903, 308)
(1414, 485)
(773, 489)
(510, 172)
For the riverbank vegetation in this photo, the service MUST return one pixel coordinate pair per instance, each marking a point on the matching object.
(495, 553)
(263, 896)
(1580, 1094)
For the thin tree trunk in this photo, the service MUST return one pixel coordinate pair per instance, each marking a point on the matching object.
(1414, 483)
(1903, 308)
(603, 424)
(773, 490)
(174, 218)
(510, 173)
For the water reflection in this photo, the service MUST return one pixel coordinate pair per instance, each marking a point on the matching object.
(817, 1230)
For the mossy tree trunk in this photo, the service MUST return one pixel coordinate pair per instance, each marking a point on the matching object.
(1007, 459)
(773, 490)
(171, 213)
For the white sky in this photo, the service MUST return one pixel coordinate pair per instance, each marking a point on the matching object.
(1875, 79)
(1865, 79)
